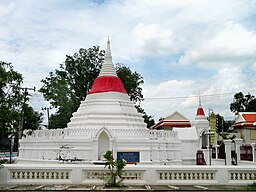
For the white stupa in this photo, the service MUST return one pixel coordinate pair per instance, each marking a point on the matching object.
(202, 126)
(106, 120)
(107, 104)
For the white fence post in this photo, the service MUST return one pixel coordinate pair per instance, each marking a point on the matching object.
(238, 143)
(222, 176)
(253, 152)
(228, 151)
(3, 175)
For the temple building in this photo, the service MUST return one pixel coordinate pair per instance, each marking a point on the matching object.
(193, 135)
(106, 120)
(245, 125)
(174, 120)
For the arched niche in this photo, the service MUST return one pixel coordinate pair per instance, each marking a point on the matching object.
(103, 144)
(204, 139)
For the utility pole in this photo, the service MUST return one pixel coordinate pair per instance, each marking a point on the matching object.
(22, 110)
(48, 114)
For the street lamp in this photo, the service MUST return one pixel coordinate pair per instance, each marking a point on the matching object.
(209, 133)
(10, 141)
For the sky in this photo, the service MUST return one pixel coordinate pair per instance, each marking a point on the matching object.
(181, 48)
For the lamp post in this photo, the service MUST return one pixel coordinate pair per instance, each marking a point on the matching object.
(10, 142)
(209, 133)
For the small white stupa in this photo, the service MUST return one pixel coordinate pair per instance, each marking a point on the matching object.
(202, 126)
(106, 120)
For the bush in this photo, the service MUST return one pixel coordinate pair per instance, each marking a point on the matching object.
(3, 161)
(116, 170)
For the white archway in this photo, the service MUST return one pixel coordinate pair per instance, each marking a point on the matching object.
(103, 144)
(203, 139)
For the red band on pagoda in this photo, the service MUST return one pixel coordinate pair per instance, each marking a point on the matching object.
(107, 84)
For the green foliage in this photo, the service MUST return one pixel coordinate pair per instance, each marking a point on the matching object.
(11, 102)
(225, 136)
(116, 170)
(147, 118)
(69, 84)
(222, 124)
(243, 103)
(3, 161)
(32, 119)
(252, 187)
(131, 81)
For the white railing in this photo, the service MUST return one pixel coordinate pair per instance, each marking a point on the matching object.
(91, 133)
(134, 174)
(185, 175)
(34, 174)
(127, 175)
(248, 175)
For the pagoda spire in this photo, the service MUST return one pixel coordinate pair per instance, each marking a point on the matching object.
(108, 68)
(200, 101)
(107, 81)
(200, 110)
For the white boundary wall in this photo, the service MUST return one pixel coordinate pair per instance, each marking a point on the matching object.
(134, 174)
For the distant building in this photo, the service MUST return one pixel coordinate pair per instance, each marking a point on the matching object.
(193, 135)
(174, 120)
(245, 124)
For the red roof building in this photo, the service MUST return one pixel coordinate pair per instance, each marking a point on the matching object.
(245, 124)
(174, 120)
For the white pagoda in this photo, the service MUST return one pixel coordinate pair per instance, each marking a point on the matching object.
(106, 120)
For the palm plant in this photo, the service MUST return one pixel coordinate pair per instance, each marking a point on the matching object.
(116, 170)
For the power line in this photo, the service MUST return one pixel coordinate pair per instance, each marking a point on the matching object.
(20, 133)
(192, 96)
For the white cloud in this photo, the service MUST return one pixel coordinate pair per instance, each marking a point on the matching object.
(36, 35)
(169, 96)
(191, 101)
(6, 9)
(254, 67)
(232, 44)
(153, 38)
(167, 89)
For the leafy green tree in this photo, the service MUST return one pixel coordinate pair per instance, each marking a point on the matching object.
(243, 103)
(131, 81)
(69, 85)
(116, 170)
(32, 119)
(11, 101)
(222, 124)
(148, 119)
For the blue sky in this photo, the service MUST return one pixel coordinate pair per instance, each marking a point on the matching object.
(179, 47)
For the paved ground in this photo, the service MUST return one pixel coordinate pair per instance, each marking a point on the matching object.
(129, 188)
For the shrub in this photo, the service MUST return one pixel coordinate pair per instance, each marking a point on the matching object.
(116, 170)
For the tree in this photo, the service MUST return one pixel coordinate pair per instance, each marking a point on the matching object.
(32, 118)
(131, 81)
(148, 119)
(69, 85)
(243, 102)
(222, 124)
(11, 101)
